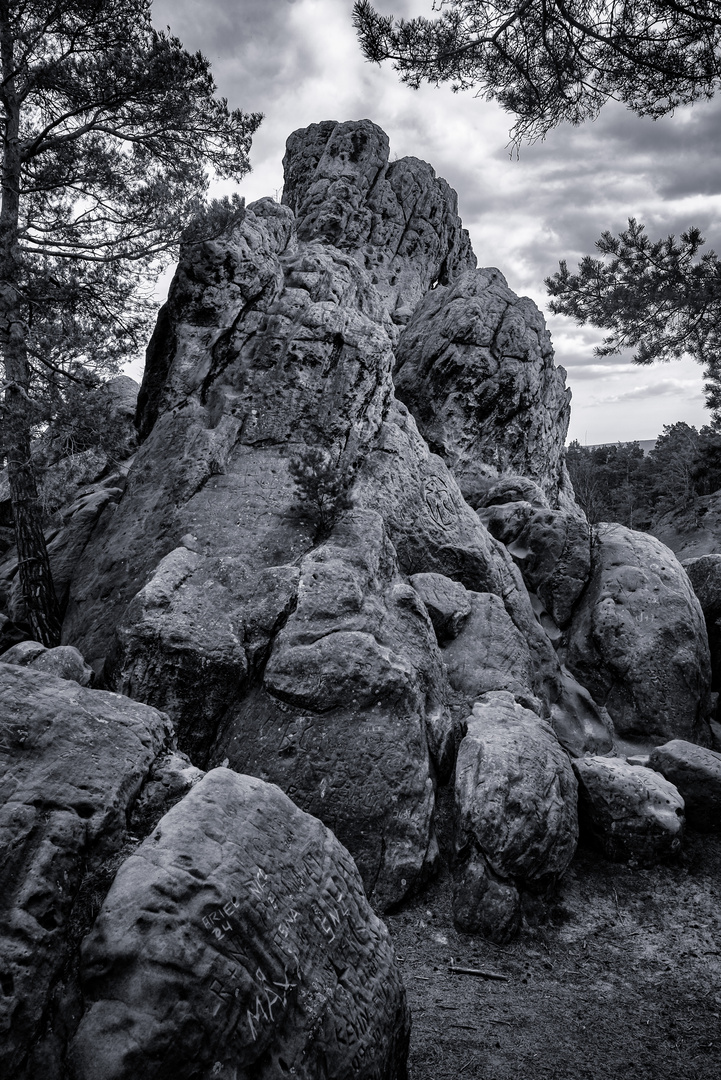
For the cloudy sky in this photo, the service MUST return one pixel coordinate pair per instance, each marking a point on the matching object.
(298, 62)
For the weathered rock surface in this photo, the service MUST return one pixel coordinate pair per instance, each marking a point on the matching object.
(73, 761)
(23, 653)
(516, 816)
(352, 701)
(435, 531)
(552, 548)
(180, 645)
(171, 777)
(475, 367)
(637, 639)
(696, 772)
(490, 653)
(398, 219)
(237, 941)
(631, 812)
(446, 602)
(63, 661)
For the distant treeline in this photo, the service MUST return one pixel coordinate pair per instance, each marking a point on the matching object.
(616, 482)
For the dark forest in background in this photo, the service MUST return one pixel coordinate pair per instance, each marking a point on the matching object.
(617, 482)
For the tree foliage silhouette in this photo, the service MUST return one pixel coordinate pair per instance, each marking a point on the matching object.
(548, 61)
(661, 298)
(109, 128)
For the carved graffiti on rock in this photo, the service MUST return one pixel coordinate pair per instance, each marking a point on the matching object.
(439, 501)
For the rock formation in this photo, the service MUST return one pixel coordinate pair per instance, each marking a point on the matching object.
(638, 640)
(235, 936)
(208, 592)
(454, 624)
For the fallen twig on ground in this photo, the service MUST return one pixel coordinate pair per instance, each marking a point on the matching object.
(477, 971)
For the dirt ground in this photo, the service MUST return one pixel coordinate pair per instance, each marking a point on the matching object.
(619, 980)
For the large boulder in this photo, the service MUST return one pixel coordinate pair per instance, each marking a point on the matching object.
(696, 772)
(637, 639)
(704, 574)
(237, 941)
(632, 813)
(475, 367)
(516, 816)
(74, 761)
(351, 703)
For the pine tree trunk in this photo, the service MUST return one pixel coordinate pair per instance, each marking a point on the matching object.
(34, 565)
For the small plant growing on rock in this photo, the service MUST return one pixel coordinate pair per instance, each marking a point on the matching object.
(322, 485)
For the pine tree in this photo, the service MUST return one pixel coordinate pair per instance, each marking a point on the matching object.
(109, 128)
